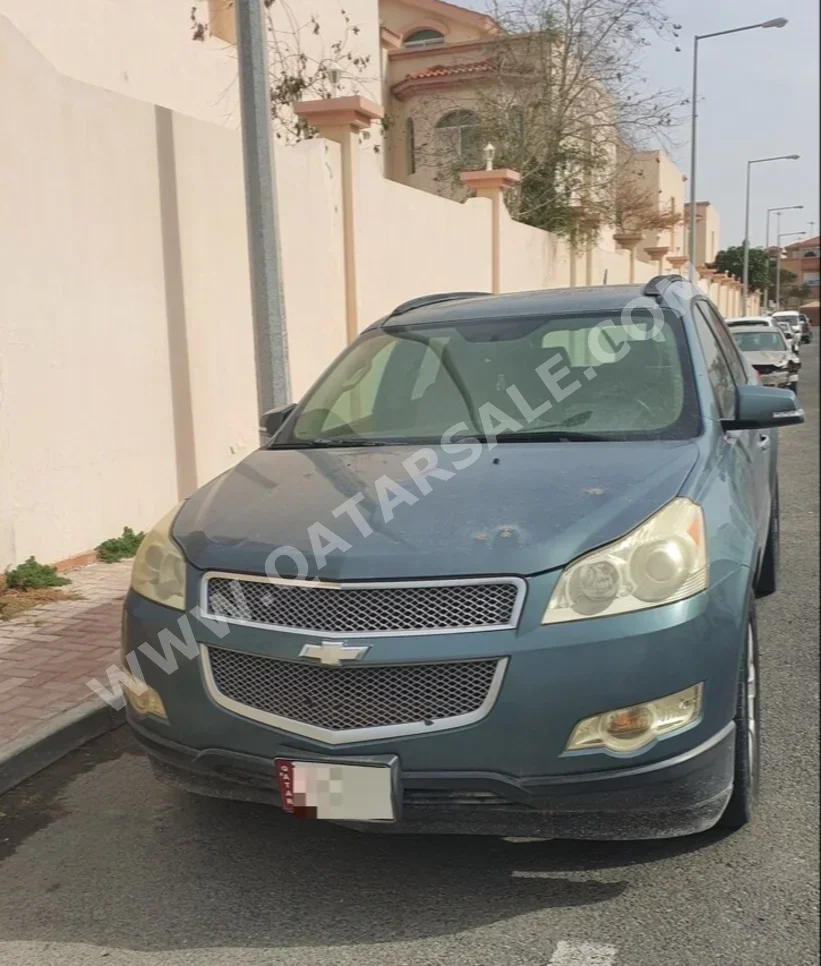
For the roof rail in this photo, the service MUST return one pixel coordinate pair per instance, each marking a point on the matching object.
(653, 287)
(423, 300)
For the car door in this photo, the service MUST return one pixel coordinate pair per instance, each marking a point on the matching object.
(756, 446)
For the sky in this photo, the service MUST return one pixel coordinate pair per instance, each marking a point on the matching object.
(759, 97)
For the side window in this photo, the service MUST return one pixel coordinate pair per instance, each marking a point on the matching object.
(719, 372)
(726, 341)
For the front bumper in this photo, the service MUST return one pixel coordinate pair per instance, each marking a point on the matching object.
(680, 796)
(507, 773)
(778, 379)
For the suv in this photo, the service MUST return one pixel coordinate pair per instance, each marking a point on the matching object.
(495, 573)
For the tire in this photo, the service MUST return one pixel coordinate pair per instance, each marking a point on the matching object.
(767, 582)
(747, 772)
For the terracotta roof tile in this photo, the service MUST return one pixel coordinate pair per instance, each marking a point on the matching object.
(450, 70)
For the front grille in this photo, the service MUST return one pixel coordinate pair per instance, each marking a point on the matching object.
(342, 698)
(764, 370)
(409, 608)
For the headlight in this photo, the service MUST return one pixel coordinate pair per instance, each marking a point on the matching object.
(629, 729)
(159, 567)
(663, 560)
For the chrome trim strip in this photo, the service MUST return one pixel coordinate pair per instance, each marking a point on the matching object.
(518, 582)
(352, 735)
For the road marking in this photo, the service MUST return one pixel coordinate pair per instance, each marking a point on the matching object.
(590, 372)
(583, 954)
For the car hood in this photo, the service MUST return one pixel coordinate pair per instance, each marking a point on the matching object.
(519, 509)
(768, 358)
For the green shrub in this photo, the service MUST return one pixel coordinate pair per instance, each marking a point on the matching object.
(117, 548)
(32, 575)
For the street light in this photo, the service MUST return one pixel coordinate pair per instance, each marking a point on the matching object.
(746, 273)
(786, 234)
(777, 22)
(767, 247)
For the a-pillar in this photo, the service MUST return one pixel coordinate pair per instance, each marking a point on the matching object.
(657, 253)
(491, 183)
(341, 119)
(629, 240)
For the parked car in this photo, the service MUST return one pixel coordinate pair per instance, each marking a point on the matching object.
(750, 320)
(770, 354)
(792, 340)
(794, 319)
(495, 573)
(806, 328)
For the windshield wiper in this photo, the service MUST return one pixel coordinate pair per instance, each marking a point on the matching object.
(554, 436)
(326, 442)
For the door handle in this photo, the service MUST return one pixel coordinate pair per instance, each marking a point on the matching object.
(763, 441)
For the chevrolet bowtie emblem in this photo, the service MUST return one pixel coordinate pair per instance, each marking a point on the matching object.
(332, 653)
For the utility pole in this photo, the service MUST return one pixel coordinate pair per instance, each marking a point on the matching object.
(264, 255)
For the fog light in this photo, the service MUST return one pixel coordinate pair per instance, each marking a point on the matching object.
(629, 729)
(142, 698)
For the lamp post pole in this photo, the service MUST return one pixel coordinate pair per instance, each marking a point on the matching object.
(778, 22)
(746, 273)
(767, 248)
(264, 256)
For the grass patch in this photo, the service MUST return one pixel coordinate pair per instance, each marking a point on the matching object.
(33, 575)
(14, 601)
(118, 548)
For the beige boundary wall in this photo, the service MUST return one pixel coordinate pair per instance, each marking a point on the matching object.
(126, 354)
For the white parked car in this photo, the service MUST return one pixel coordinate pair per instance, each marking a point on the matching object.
(794, 319)
(769, 353)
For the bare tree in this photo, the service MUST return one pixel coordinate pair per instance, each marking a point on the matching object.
(301, 66)
(561, 100)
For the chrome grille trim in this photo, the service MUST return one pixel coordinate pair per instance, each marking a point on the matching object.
(353, 735)
(512, 611)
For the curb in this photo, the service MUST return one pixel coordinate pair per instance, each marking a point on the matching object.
(23, 757)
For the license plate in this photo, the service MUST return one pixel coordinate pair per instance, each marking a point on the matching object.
(338, 792)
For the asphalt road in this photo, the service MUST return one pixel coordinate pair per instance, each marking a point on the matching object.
(98, 862)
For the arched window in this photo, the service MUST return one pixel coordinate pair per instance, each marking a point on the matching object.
(410, 147)
(810, 255)
(457, 134)
(424, 38)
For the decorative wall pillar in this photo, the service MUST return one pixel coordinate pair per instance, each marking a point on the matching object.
(491, 183)
(677, 263)
(629, 240)
(341, 119)
(707, 274)
(657, 253)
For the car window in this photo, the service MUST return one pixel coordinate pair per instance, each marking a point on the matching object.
(760, 342)
(726, 342)
(405, 382)
(718, 370)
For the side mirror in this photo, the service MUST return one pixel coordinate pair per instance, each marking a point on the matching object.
(270, 422)
(762, 407)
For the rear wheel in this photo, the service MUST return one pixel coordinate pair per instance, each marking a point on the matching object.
(767, 581)
(746, 778)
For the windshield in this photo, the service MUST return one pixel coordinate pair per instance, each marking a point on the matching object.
(760, 341)
(572, 378)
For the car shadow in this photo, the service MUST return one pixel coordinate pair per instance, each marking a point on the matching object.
(127, 863)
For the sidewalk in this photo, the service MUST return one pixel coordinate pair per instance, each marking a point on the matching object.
(49, 653)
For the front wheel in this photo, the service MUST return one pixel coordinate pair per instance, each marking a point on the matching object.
(746, 778)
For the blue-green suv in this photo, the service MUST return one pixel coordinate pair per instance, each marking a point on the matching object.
(495, 573)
